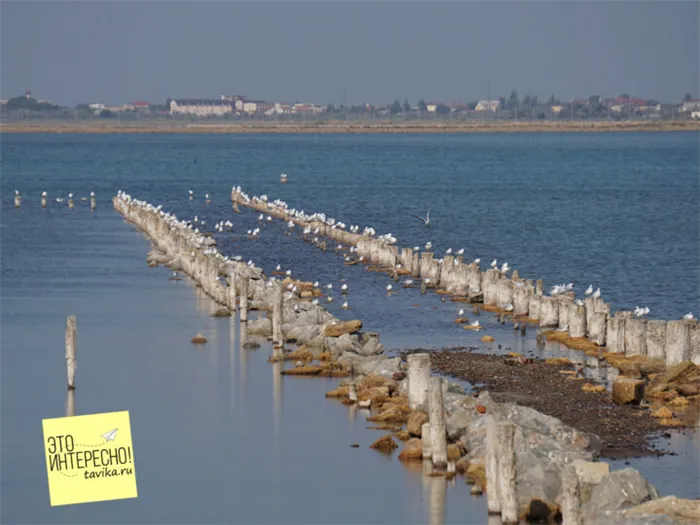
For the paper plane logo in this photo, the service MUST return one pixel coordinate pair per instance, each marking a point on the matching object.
(84, 463)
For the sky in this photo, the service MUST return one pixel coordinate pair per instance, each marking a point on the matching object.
(72, 52)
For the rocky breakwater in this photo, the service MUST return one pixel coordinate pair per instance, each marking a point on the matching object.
(586, 323)
(531, 466)
(291, 313)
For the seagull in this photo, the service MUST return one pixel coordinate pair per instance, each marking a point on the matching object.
(279, 268)
(460, 251)
(596, 294)
(589, 290)
(461, 312)
(416, 248)
(688, 316)
(509, 308)
(388, 288)
(314, 302)
(639, 312)
(329, 286)
(428, 245)
(330, 299)
(477, 260)
(288, 273)
(579, 302)
(345, 305)
(475, 324)
(316, 284)
(426, 221)
(408, 282)
(191, 194)
(448, 251)
(344, 288)
(494, 263)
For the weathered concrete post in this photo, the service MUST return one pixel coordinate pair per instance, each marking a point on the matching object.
(245, 283)
(277, 308)
(597, 330)
(571, 497)
(656, 339)
(93, 201)
(492, 498)
(71, 363)
(418, 380)
(636, 337)
(438, 432)
(505, 442)
(577, 321)
(549, 312)
(70, 201)
(677, 342)
(18, 199)
(44, 200)
(425, 441)
(423, 286)
(232, 291)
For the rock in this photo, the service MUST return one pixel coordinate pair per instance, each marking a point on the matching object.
(222, 312)
(591, 471)
(456, 423)
(461, 465)
(311, 335)
(337, 346)
(663, 413)
(261, 326)
(302, 371)
(557, 361)
(402, 435)
(539, 511)
(393, 413)
(368, 344)
(341, 391)
(375, 365)
(355, 445)
(384, 444)
(481, 409)
(338, 329)
(588, 387)
(199, 339)
(690, 389)
(376, 395)
(685, 375)
(250, 345)
(455, 451)
(365, 404)
(682, 510)
(487, 339)
(412, 450)
(399, 376)
(476, 490)
(619, 490)
(627, 390)
(476, 474)
(415, 421)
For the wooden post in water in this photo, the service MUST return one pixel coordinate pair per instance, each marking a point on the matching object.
(70, 350)
(18, 199)
(44, 201)
(244, 298)
(93, 201)
(505, 442)
(438, 432)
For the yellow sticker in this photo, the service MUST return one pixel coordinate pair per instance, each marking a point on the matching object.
(89, 458)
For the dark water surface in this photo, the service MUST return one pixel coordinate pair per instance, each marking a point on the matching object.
(218, 437)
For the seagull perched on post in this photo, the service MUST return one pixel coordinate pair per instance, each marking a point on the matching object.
(589, 290)
(689, 316)
(426, 221)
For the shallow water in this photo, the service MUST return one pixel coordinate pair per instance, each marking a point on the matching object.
(618, 210)
(219, 436)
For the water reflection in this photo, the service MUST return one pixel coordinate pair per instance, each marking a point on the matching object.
(231, 360)
(437, 489)
(277, 418)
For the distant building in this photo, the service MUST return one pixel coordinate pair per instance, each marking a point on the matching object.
(487, 105)
(690, 105)
(201, 107)
(695, 115)
(556, 109)
(141, 105)
(431, 107)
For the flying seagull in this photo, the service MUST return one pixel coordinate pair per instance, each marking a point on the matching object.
(109, 436)
(426, 221)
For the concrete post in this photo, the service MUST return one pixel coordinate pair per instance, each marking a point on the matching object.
(549, 312)
(438, 432)
(677, 342)
(635, 337)
(505, 440)
(577, 321)
(596, 331)
(277, 309)
(232, 291)
(245, 283)
(71, 363)
(418, 380)
(492, 494)
(656, 339)
(425, 441)
(571, 497)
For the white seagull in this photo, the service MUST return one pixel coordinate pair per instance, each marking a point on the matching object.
(426, 221)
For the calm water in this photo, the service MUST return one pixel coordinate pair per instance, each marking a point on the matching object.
(618, 210)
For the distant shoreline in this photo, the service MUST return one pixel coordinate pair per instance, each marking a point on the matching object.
(348, 127)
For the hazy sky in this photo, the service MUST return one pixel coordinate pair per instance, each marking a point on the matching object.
(113, 52)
